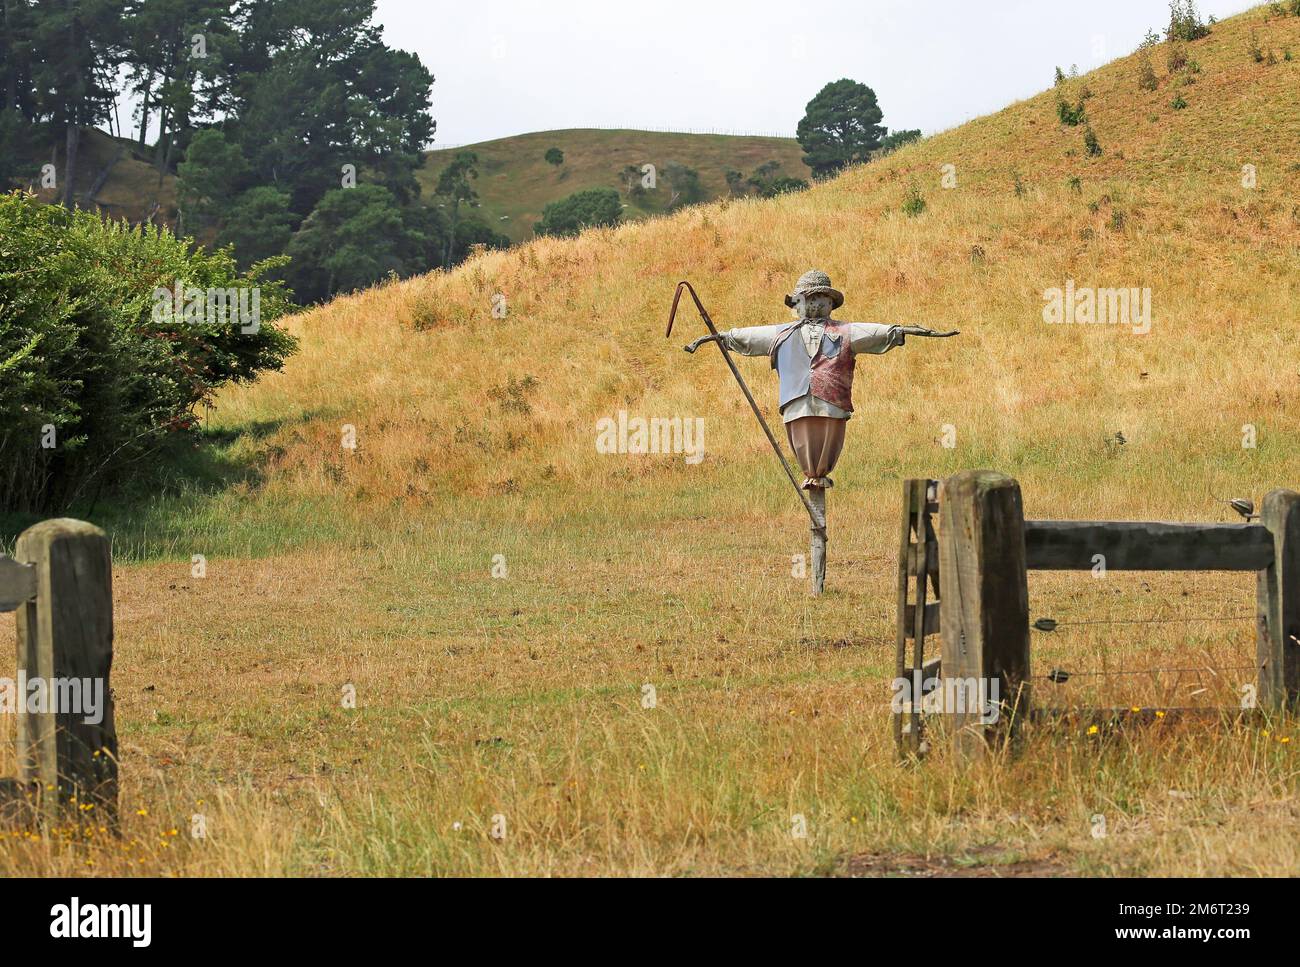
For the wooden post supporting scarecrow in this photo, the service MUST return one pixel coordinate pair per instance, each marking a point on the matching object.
(814, 359)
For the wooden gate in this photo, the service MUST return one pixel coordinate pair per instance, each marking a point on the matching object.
(918, 617)
(985, 548)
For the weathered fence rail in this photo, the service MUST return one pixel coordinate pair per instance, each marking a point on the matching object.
(984, 549)
(60, 583)
(1074, 545)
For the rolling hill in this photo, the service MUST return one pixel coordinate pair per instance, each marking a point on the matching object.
(515, 182)
(498, 593)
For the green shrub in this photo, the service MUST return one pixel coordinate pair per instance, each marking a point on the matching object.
(915, 202)
(1072, 116)
(783, 186)
(1253, 49)
(1090, 142)
(1178, 103)
(583, 209)
(96, 372)
(684, 184)
(1147, 80)
(1185, 22)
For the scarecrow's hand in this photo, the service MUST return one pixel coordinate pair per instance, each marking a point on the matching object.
(700, 342)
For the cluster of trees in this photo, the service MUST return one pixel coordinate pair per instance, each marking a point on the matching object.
(292, 126)
(603, 207)
(682, 182)
(765, 182)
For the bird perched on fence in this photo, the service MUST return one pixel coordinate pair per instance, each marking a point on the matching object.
(1242, 505)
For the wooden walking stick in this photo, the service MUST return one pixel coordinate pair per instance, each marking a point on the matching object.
(815, 515)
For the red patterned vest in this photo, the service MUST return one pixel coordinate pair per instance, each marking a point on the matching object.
(828, 375)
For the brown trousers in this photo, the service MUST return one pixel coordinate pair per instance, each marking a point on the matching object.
(817, 442)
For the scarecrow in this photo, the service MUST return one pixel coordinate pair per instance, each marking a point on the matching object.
(814, 359)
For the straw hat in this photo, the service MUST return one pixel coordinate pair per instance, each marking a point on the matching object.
(815, 282)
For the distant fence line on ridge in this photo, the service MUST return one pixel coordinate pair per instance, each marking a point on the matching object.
(639, 128)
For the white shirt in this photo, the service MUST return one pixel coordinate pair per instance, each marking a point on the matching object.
(864, 337)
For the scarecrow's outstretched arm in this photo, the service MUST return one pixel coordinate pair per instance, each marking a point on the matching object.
(874, 338)
(750, 341)
(691, 347)
(923, 331)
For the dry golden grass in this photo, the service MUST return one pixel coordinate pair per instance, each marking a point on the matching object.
(521, 696)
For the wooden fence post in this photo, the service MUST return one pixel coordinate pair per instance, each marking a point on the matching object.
(66, 635)
(984, 609)
(1277, 637)
(817, 498)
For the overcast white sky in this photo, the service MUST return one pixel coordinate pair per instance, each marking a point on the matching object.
(506, 67)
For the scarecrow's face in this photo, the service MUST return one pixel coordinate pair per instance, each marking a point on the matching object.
(814, 307)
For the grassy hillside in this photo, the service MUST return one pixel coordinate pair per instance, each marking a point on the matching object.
(131, 188)
(521, 695)
(515, 182)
